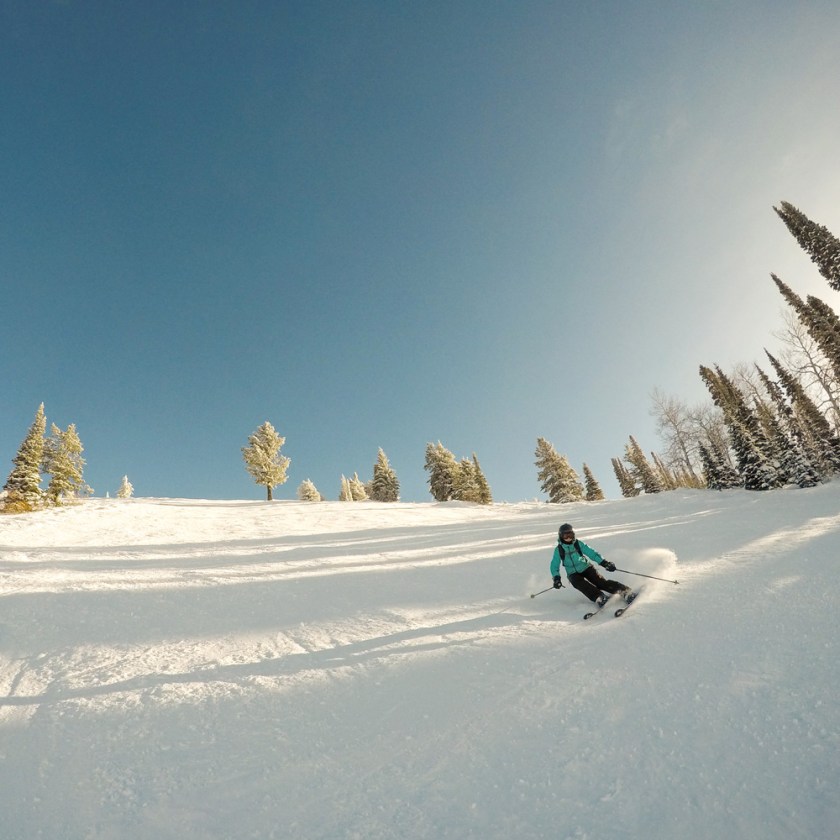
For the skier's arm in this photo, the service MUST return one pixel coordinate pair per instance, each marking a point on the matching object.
(555, 564)
(591, 553)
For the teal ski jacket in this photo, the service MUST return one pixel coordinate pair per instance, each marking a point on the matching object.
(574, 561)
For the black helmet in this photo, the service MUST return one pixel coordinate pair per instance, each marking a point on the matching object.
(565, 529)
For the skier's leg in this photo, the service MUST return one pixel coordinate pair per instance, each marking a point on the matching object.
(602, 584)
(579, 581)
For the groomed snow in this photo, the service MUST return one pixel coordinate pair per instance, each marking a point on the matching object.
(201, 669)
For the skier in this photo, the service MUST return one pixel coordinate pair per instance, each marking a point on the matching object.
(575, 556)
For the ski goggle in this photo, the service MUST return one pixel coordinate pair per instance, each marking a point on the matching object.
(567, 536)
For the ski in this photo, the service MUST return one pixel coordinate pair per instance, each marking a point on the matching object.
(597, 609)
(621, 610)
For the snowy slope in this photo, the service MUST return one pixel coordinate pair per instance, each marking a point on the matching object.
(196, 669)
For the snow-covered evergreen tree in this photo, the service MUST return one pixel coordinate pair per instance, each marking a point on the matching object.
(754, 451)
(465, 486)
(785, 456)
(62, 460)
(470, 484)
(384, 486)
(819, 320)
(795, 465)
(548, 469)
(442, 468)
(357, 489)
(825, 327)
(307, 492)
(345, 494)
(450, 479)
(568, 487)
(724, 475)
(23, 486)
(594, 493)
(548, 465)
(758, 472)
(626, 482)
(799, 466)
(483, 494)
(557, 477)
(263, 459)
(710, 469)
(126, 490)
(805, 359)
(819, 440)
(816, 240)
(640, 469)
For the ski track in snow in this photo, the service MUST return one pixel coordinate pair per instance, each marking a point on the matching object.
(177, 668)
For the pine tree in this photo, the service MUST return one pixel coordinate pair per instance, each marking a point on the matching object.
(357, 489)
(797, 464)
(23, 486)
(793, 299)
(816, 240)
(820, 441)
(548, 465)
(752, 464)
(728, 474)
(807, 361)
(568, 487)
(442, 468)
(465, 486)
(753, 450)
(484, 496)
(384, 486)
(308, 492)
(826, 325)
(626, 482)
(469, 484)
(820, 320)
(640, 468)
(784, 446)
(62, 460)
(345, 494)
(557, 477)
(126, 490)
(710, 469)
(263, 459)
(594, 493)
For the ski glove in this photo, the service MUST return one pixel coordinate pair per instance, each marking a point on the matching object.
(558, 582)
(610, 567)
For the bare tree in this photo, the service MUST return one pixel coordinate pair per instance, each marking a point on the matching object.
(677, 426)
(683, 430)
(709, 424)
(802, 356)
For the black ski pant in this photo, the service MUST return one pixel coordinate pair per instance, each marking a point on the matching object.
(592, 584)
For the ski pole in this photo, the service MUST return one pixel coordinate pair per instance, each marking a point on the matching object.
(639, 574)
(541, 591)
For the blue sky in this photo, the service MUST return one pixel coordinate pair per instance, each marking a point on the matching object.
(383, 224)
